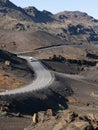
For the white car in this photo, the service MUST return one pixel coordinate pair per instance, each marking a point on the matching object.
(31, 59)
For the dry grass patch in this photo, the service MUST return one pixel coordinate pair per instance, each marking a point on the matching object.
(8, 83)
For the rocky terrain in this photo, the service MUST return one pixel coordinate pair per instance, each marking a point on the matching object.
(63, 120)
(60, 106)
(66, 43)
(21, 28)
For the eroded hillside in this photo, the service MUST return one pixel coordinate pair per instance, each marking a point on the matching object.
(20, 28)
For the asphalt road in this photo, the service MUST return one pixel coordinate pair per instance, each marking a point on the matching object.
(44, 49)
(43, 78)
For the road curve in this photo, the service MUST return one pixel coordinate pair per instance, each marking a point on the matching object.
(43, 78)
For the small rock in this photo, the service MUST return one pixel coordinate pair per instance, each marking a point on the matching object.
(41, 116)
(34, 118)
(71, 100)
(7, 63)
(96, 64)
(49, 113)
(45, 115)
(3, 113)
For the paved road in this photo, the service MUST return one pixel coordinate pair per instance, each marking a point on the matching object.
(77, 77)
(43, 78)
(45, 48)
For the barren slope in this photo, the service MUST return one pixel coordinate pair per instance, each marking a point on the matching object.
(20, 28)
(27, 41)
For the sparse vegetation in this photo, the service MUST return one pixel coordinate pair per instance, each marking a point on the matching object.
(67, 42)
(13, 71)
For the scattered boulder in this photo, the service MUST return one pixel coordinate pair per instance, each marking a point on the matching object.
(7, 63)
(3, 113)
(64, 120)
(93, 94)
(96, 64)
(34, 118)
(73, 121)
(42, 116)
(19, 27)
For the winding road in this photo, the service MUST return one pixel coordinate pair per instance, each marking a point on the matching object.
(43, 78)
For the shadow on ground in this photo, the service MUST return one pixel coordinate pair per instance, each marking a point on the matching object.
(29, 103)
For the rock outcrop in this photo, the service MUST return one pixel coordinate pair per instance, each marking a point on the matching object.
(66, 120)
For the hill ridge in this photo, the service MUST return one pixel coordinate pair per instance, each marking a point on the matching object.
(29, 26)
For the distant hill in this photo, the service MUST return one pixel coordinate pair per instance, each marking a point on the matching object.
(39, 16)
(28, 28)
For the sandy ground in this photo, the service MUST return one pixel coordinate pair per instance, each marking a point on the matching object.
(12, 123)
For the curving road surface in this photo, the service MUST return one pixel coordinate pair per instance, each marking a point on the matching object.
(43, 78)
